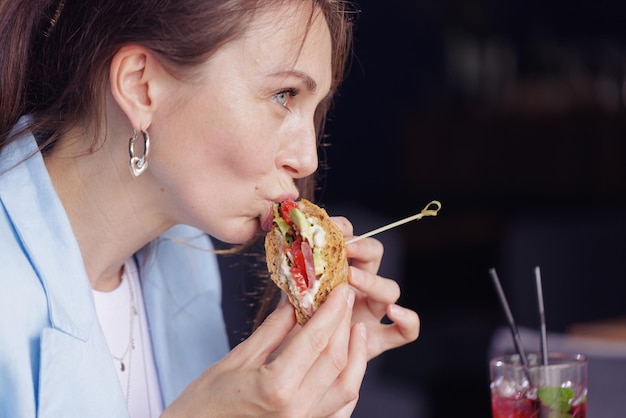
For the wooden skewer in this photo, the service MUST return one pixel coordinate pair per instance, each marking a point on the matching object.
(425, 212)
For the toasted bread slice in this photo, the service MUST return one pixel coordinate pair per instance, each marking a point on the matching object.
(333, 252)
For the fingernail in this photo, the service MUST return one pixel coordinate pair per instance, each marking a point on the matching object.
(396, 311)
(283, 299)
(355, 276)
(362, 331)
(349, 295)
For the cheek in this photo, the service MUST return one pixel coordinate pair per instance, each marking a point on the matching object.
(249, 163)
(247, 148)
(225, 140)
(238, 153)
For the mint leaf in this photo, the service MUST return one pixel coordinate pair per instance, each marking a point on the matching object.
(556, 398)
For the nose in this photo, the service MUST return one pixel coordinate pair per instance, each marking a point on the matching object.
(299, 156)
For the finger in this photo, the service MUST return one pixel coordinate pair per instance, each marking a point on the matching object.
(344, 225)
(331, 362)
(378, 289)
(404, 329)
(406, 321)
(270, 334)
(340, 400)
(366, 254)
(345, 412)
(305, 346)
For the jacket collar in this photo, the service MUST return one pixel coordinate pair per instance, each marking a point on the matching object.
(182, 294)
(41, 225)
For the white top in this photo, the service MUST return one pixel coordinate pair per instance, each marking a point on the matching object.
(122, 317)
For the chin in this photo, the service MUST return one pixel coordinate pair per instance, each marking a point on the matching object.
(242, 235)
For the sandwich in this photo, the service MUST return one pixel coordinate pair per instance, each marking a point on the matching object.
(306, 255)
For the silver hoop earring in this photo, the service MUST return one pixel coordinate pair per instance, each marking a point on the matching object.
(138, 164)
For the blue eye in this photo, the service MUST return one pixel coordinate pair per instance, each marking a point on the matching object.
(282, 97)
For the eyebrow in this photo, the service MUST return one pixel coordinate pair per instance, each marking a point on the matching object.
(309, 82)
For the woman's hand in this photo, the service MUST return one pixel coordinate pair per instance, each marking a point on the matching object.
(284, 370)
(376, 296)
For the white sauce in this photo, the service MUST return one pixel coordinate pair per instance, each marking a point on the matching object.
(307, 298)
(316, 237)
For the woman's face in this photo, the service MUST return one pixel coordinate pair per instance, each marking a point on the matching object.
(231, 144)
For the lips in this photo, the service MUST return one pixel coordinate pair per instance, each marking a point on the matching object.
(268, 219)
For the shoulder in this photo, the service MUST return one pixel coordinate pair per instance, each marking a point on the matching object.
(182, 259)
(23, 317)
(23, 300)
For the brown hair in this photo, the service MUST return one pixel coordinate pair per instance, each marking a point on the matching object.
(55, 55)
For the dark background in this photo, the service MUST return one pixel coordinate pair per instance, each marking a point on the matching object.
(511, 113)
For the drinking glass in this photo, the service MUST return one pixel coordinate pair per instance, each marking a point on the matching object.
(556, 390)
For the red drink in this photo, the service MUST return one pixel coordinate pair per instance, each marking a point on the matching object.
(558, 390)
(515, 407)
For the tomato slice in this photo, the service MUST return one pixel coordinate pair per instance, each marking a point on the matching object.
(297, 256)
(285, 210)
(298, 269)
(309, 263)
(299, 279)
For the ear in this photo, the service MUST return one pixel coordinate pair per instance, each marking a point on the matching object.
(134, 81)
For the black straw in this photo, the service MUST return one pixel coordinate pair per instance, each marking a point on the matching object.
(542, 317)
(509, 316)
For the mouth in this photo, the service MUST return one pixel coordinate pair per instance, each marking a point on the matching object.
(267, 220)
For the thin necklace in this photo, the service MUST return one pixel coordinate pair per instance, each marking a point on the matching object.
(131, 339)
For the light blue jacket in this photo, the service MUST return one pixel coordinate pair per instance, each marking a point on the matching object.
(54, 360)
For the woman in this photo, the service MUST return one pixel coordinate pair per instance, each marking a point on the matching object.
(128, 130)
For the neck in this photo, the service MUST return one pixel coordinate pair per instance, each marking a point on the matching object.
(112, 214)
